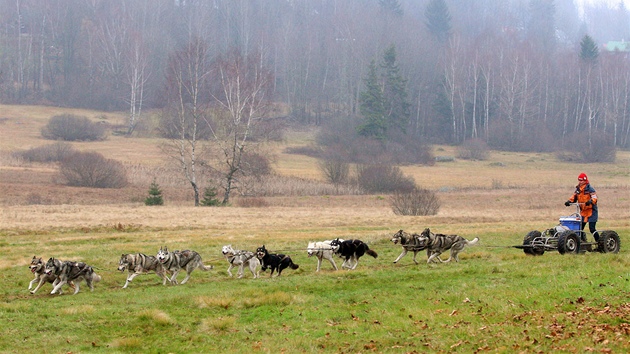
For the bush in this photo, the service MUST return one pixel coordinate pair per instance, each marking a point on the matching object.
(383, 178)
(473, 149)
(335, 171)
(418, 202)
(91, 169)
(69, 127)
(48, 153)
(577, 149)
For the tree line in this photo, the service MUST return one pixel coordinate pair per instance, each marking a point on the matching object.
(528, 75)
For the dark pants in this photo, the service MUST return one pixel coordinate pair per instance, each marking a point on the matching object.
(592, 229)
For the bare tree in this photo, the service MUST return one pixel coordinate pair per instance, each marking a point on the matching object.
(243, 96)
(188, 72)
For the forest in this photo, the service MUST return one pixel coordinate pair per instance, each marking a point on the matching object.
(519, 75)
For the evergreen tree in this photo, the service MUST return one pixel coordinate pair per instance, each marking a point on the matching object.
(371, 106)
(438, 20)
(155, 195)
(588, 50)
(397, 108)
(210, 197)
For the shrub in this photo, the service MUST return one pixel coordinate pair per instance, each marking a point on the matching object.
(602, 149)
(155, 195)
(69, 127)
(383, 178)
(473, 149)
(91, 169)
(252, 202)
(335, 171)
(48, 153)
(418, 202)
(255, 164)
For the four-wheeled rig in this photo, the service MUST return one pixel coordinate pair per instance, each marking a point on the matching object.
(568, 237)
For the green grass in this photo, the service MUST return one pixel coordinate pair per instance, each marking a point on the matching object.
(496, 299)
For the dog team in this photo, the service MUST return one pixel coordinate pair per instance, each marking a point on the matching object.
(167, 263)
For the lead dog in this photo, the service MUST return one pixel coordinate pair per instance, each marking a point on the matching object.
(69, 271)
(409, 242)
(241, 259)
(274, 261)
(140, 263)
(174, 262)
(321, 250)
(38, 268)
(351, 250)
(438, 243)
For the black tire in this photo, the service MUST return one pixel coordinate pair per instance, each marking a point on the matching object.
(608, 242)
(568, 242)
(535, 251)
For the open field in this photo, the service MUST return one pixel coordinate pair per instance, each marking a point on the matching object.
(496, 299)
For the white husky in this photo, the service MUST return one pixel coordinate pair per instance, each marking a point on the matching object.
(321, 250)
(241, 258)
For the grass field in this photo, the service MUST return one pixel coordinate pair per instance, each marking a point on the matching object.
(496, 299)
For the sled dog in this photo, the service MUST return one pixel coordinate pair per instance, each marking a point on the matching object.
(174, 262)
(69, 271)
(277, 262)
(38, 268)
(321, 250)
(436, 244)
(140, 263)
(241, 259)
(351, 250)
(409, 242)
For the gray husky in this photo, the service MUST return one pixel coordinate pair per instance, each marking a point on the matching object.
(140, 263)
(38, 268)
(409, 242)
(241, 259)
(174, 262)
(69, 271)
(438, 243)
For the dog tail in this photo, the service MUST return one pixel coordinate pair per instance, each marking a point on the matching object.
(294, 266)
(372, 253)
(473, 241)
(96, 278)
(205, 268)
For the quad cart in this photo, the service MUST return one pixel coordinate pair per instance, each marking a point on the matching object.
(568, 237)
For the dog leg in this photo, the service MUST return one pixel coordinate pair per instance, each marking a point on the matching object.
(404, 252)
(186, 278)
(76, 287)
(240, 270)
(41, 282)
(59, 285)
(415, 253)
(319, 263)
(174, 277)
(229, 270)
(36, 280)
(332, 261)
(356, 262)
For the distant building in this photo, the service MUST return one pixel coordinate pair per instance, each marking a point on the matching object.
(617, 46)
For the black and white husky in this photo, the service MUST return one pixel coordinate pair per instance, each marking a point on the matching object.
(436, 244)
(241, 259)
(69, 271)
(38, 268)
(351, 250)
(321, 250)
(174, 262)
(140, 263)
(274, 261)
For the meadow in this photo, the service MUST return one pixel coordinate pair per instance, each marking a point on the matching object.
(496, 299)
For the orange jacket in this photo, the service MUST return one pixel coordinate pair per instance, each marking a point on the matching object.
(584, 193)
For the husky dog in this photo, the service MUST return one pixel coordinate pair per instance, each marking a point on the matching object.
(321, 250)
(277, 262)
(140, 263)
(351, 250)
(409, 242)
(69, 271)
(438, 243)
(174, 262)
(241, 259)
(38, 268)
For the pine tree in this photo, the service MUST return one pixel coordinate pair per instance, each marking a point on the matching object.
(438, 20)
(210, 197)
(371, 106)
(155, 195)
(588, 50)
(397, 108)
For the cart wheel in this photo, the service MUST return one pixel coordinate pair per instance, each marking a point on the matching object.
(609, 242)
(568, 242)
(534, 251)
